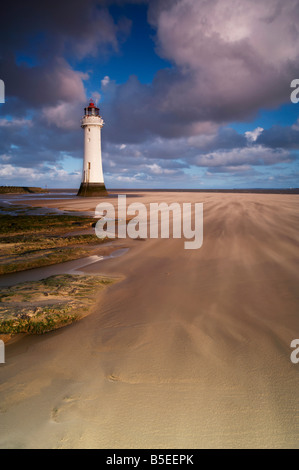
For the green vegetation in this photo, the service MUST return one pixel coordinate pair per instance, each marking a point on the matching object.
(38, 224)
(41, 306)
(32, 241)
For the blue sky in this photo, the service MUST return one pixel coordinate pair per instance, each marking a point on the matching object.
(194, 94)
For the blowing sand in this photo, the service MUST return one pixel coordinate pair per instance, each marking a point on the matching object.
(191, 349)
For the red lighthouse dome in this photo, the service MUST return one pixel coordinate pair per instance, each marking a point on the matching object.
(91, 109)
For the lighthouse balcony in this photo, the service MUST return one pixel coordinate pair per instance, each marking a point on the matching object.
(92, 120)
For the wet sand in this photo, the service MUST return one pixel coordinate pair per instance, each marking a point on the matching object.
(191, 349)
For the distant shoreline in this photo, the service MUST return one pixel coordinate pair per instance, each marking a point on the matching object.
(35, 190)
(21, 190)
(247, 191)
(258, 191)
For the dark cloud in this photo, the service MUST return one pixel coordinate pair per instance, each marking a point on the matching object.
(51, 28)
(45, 94)
(40, 38)
(28, 143)
(228, 59)
(278, 136)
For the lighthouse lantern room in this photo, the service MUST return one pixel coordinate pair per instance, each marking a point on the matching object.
(92, 184)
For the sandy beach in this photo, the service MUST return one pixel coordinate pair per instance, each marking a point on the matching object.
(188, 349)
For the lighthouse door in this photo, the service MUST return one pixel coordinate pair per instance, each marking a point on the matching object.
(88, 177)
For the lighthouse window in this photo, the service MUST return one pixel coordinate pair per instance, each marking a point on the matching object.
(89, 129)
(89, 165)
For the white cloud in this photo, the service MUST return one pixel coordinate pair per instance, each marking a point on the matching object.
(42, 175)
(63, 115)
(5, 158)
(68, 82)
(251, 136)
(157, 170)
(257, 155)
(105, 81)
(126, 179)
(96, 96)
(188, 30)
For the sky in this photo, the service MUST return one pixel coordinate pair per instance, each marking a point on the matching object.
(194, 93)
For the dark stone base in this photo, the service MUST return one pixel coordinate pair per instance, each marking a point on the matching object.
(92, 190)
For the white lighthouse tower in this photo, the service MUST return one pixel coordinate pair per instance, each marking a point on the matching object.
(92, 177)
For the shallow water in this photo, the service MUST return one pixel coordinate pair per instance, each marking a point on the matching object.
(8, 208)
(69, 267)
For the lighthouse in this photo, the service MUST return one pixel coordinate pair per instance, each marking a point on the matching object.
(92, 184)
